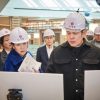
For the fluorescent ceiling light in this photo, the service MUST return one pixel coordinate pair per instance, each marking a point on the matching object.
(66, 3)
(27, 3)
(30, 3)
(87, 2)
(58, 4)
(73, 3)
(49, 3)
(94, 4)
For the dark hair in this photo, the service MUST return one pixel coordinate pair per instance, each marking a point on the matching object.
(2, 40)
(12, 43)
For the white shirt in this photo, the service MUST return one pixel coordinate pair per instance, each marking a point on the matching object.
(7, 51)
(49, 50)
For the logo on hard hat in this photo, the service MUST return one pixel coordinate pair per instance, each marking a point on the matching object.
(72, 23)
(21, 37)
(6, 31)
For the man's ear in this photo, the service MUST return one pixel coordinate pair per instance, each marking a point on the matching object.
(27, 44)
(13, 47)
(54, 39)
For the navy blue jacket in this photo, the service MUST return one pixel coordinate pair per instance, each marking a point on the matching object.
(13, 61)
(42, 57)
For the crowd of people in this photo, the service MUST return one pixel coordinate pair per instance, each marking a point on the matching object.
(80, 52)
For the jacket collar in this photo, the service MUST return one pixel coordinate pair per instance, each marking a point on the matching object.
(3, 51)
(66, 44)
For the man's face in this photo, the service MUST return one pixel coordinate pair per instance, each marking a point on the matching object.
(97, 37)
(49, 40)
(6, 42)
(75, 39)
(89, 37)
(21, 48)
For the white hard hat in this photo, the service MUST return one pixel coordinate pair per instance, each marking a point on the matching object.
(90, 33)
(75, 22)
(18, 35)
(97, 30)
(48, 32)
(4, 32)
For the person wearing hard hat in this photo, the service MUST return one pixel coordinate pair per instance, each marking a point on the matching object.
(6, 45)
(89, 36)
(43, 53)
(19, 40)
(96, 41)
(73, 57)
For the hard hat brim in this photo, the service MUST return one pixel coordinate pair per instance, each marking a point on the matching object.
(73, 30)
(48, 35)
(97, 33)
(16, 42)
(4, 34)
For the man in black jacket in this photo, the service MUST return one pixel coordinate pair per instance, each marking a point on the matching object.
(44, 52)
(73, 57)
